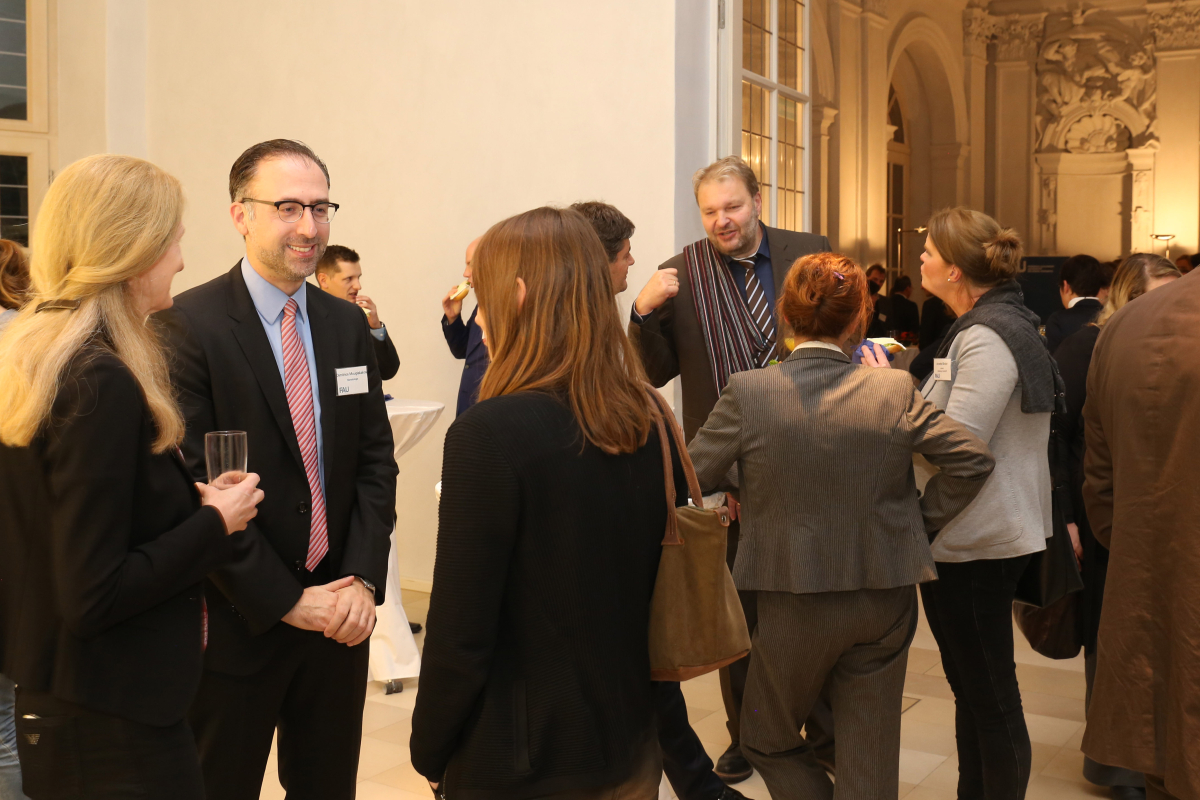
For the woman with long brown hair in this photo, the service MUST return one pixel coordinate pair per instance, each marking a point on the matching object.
(536, 675)
(1138, 274)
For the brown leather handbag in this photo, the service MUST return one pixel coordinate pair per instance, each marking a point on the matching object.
(696, 620)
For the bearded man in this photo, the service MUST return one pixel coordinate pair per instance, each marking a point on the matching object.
(705, 314)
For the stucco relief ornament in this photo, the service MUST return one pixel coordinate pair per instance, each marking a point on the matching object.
(1091, 66)
(1097, 133)
(1176, 27)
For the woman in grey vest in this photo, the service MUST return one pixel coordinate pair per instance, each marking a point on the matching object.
(834, 537)
(994, 375)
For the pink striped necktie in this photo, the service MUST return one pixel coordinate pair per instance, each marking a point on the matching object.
(300, 404)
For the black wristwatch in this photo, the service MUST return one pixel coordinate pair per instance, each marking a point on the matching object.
(370, 586)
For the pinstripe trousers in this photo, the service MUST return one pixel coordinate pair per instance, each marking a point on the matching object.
(857, 640)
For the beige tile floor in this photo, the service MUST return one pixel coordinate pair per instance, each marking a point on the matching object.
(1052, 691)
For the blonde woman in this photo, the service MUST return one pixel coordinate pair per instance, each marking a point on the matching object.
(535, 680)
(104, 538)
(1138, 274)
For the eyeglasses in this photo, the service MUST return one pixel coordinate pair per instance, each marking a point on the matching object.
(292, 211)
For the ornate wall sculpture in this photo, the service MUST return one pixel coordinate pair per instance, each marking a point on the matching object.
(1096, 85)
(1175, 25)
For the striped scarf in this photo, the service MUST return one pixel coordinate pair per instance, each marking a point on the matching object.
(734, 342)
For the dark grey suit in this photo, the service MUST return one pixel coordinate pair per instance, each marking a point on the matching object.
(834, 540)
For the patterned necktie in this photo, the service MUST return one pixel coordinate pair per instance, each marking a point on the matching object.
(760, 310)
(300, 404)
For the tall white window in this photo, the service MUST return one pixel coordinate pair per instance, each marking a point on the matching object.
(771, 100)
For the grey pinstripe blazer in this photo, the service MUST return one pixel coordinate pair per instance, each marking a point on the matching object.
(824, 454)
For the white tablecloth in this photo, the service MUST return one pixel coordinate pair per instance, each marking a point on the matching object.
(394, 652)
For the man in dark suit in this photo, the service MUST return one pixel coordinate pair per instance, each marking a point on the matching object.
(905, 317)
(339, 273)
(1082, 279)
(288, 622)
(465, 339)
(681, 326)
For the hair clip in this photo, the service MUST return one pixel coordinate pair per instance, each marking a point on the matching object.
(58, 305)
(839, 276)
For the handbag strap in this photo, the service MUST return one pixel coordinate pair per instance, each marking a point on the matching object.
(689, 470)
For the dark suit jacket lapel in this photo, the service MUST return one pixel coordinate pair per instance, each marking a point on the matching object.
(253, 340)
(781, 259)
(324, 339)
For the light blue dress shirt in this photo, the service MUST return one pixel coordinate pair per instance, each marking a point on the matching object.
(269, 301)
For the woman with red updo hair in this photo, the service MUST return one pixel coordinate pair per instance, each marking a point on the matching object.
(834, 536)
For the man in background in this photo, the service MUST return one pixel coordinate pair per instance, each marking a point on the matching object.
(678, 323)
(686, 764)
(1082, 277)
(465, 339)
(905, 317)
(339, 273)
(876, 278)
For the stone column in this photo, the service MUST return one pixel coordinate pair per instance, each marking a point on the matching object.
(978, 29)
(1141, 224)
(845, 33)
(1176, 28)
(948, 174)
(823, 117)
(875, 120)
(1016, 48)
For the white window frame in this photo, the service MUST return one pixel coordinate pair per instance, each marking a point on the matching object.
(729, 97)
(37, 150)
(37, 73)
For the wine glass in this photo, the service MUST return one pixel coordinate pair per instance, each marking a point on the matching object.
(225, 456)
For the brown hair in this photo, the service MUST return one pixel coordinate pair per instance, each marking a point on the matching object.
(613, 227)
(14, 275)
(246, 166)
(727, 167)
(1130, 280)
(986, 253)
(823, 295)
(567, 337)
(332, 255)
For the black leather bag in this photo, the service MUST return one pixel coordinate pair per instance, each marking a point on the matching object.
(1046, 606)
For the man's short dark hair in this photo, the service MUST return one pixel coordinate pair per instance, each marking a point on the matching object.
(328, 265)
(611, 225)
(875, 268)
(1084, 274)
(902, 283)
(246, 166)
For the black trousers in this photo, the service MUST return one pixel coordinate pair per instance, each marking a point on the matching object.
(688, 767)
(69, 752)
(818, 728)
(969, 609)
(312, 690)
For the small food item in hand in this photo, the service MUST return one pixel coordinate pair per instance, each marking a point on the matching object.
(365, 310)
(889, 344)
(463, 289)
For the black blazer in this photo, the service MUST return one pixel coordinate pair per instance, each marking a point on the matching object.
(1065, 321)
(386, 356)
(228, 379)
(536, 670)
(466, 341)
(670, 340)
(103, 546)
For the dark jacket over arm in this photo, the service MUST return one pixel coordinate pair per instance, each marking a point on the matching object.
(103, 549)
(386, 356)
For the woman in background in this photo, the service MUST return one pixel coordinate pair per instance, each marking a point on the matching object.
(1137, 275)
(104, 538)
(14, 284)
(993, 374)
(535, 680)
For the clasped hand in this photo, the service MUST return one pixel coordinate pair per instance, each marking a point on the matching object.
(343, 610)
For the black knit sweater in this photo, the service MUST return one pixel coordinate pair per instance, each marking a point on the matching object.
(536, 676)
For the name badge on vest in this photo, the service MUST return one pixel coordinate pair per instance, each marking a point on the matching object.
(941, 369)
(352, 380)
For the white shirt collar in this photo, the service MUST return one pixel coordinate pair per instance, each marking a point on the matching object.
(269, 299)
(1075, 300)
(817, 343)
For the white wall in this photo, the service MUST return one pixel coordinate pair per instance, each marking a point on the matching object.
(436, 120)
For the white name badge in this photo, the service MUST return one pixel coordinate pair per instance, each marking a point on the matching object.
(352, 380)
(941, 369)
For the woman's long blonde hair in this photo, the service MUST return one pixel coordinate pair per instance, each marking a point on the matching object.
(105, 219)
(567, 337)
(1131, 279)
